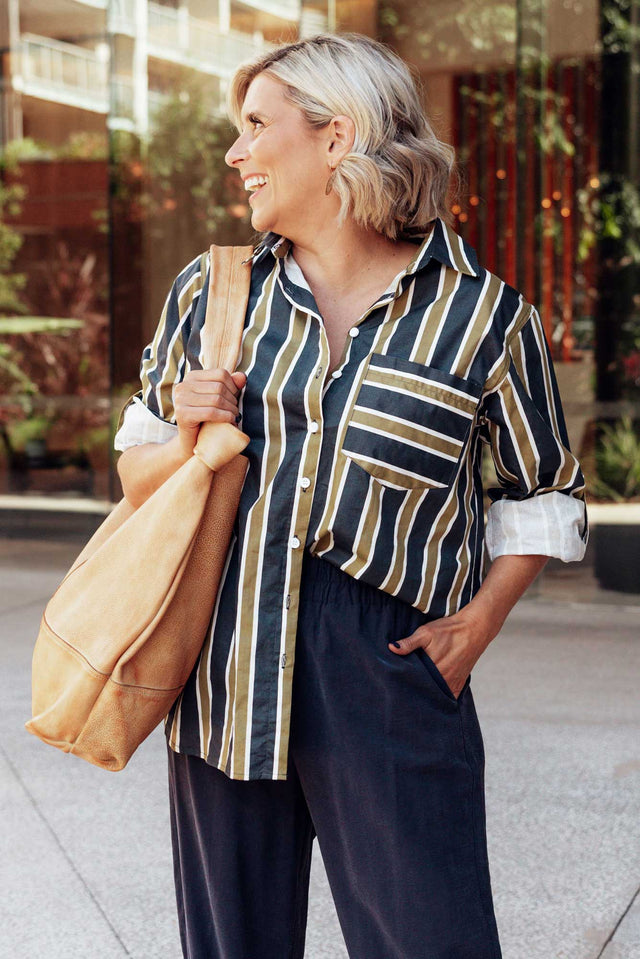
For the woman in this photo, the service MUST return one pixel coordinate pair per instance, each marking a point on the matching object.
(378, 360)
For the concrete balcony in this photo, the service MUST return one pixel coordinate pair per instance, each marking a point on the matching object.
(175, 36)
(285, 9)
(64, 73)
(122, 17)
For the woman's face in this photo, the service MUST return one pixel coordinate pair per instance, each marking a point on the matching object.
(290, 158)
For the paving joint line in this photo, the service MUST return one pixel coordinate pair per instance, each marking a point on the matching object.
(24, 606)
(618, 924)
(64, 852)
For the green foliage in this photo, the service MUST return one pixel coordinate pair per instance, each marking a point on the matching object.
(620, 34)
(11, 283)
(178, 179)
(37, 324)
(618, 462)
(611, 211)
(479, 24)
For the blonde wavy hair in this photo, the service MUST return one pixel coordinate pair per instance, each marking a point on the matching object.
(396, 178)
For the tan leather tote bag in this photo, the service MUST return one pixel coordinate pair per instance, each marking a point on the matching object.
(122, 633)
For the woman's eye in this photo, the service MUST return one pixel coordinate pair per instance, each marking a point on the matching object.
(255, 121)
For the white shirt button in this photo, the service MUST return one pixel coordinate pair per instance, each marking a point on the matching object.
(336, 374)
(305, 482)
(295, 542)
(313, 426)
(354, 331)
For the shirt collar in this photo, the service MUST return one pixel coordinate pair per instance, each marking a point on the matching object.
(446, 246)
(442, 244)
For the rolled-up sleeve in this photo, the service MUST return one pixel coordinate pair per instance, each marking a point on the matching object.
(539, 507)
(149, 415)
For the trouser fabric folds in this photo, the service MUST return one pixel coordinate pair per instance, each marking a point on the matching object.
(385, 766)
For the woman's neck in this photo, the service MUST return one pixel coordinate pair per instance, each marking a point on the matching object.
(339, 259)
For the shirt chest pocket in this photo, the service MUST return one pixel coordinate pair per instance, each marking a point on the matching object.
(410, 422)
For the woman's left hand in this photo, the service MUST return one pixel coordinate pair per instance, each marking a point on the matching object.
(453, 643)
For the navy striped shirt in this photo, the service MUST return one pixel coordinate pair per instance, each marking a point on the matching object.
(376, 467)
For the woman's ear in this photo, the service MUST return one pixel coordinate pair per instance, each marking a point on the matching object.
(341, 137)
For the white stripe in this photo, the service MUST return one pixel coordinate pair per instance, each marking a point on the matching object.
(507, 338)
(362, 524)
(266, 510)
(405, 442)
(384, 332)
(410, 423)
(511, 431)
(204, 747)
(464, 255)
(418, 396)
(287, 578)
(424, 480)
(443, 319)
(470, 326)
(396, 540)
(427, 313)
(421, 378)
(374, 539)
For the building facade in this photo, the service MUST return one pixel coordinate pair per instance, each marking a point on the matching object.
(113, 133)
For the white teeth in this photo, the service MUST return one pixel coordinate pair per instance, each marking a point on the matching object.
(253, 182)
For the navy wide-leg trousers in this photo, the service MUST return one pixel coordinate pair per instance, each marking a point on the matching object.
(385, 767)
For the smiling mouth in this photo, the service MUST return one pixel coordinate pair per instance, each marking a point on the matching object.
(254, 193)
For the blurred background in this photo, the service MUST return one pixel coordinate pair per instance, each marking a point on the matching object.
(112, 138)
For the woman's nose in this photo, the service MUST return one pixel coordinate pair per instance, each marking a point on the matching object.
(237, 151)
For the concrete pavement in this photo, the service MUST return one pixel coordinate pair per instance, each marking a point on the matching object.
(85, 864)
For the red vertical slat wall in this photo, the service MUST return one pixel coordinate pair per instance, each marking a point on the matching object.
(547, 207)
(550, 229)
(510, 179)
(472, 108)
(489, 188)
(567, 217)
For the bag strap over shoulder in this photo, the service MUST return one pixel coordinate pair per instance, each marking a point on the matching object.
(227, 299)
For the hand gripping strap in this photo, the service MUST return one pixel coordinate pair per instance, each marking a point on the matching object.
(227, 299)
(228, 296)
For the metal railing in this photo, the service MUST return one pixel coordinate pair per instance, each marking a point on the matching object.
(64, 73)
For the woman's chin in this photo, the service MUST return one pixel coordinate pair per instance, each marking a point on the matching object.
(261, 222)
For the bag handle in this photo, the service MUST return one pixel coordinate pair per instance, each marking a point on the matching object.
(227, 299)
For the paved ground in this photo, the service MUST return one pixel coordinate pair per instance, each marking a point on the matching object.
(85, 864)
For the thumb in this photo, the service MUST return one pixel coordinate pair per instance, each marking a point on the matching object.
(408, 644)
(239, 378)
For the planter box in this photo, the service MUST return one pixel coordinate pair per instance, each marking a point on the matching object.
(615, 528)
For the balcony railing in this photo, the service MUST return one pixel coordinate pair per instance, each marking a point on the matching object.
(122, 16)
(197, 43)
(64, 73)
(287, 9)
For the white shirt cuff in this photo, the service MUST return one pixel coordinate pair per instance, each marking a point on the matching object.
(550, 524)
(140, 425)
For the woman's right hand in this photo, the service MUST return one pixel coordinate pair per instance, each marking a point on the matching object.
(205, 396)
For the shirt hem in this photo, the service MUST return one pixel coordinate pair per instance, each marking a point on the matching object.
(192, 751)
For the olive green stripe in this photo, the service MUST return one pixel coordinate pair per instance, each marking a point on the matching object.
(406, 518)
(340, 464)
(403, 430)
(434, 314)
(464, 551)
(253, 559)
(482, 321)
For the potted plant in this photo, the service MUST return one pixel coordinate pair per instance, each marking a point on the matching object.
(617, 519)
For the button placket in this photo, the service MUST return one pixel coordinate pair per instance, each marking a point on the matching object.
(300, 516)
